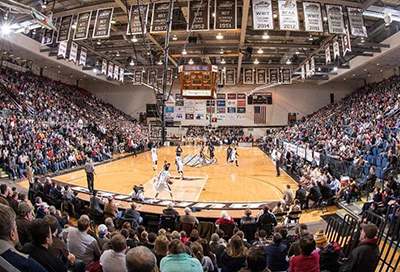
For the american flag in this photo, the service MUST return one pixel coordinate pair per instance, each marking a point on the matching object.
(260, 115)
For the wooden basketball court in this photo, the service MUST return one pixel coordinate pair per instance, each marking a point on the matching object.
(253, 181)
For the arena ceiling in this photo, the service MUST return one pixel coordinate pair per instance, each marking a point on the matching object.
(238, 48)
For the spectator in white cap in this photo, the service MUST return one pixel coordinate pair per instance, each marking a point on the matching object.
(42, 210)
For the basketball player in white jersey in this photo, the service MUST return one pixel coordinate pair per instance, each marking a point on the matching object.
(162, 181)
(234, 156)
(179, 166)
(154, 157)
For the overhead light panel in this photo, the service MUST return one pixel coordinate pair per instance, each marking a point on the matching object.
(160, 62)
(223, 61)
(184, 52)
(132, 63)
(256, 61)
(134, 39)
(174, 38)
(222, 51)
(260, 51)
(265, 36)
(219, 36)
(288, 62)
(191, 61)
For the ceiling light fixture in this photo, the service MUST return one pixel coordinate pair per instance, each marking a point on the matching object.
(160, 62)
(219, 36)
(191, 61)
(117, 54)
(297, 52)
(275, 15)
(222, 51)
(256, 61)
(5, 29)
(184, 52)
(325, 18)
(132, 63)
(223, 61)
(74, 26)
(95, 70)
(98, 42)
(335, 68)
(265, 36)
(288, 62)
(134, 39)
(174, 38)
(113, 21)
(44, 4)
(311, 38)
(213, 15)
(260, 51)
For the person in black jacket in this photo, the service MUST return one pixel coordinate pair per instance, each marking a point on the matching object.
(369, 183)
(314, 195)
(132, 213)
(38, 249)
(365, 257)
(301, 195)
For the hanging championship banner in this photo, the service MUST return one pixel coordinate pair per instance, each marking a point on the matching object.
(313, 17)
(82, 57)
(110, 70)
(102, 24)
(152, 77)
(116, 72)
(261, 76)
(308, 73)
(73, 52)
(202, 22)
(288, 16)
(135, 25)
(346, 42)
(121, 74)
(82, 26)
(328, 58)
(48, 37)
(335, 19)
(62, 49)
(336, 52)
(286, 76)
(160, 17)
(65, 28)
(274, 75)
(225, 14)
(169, 77)
(230, 76)
(248, 76)
(357, 27)
(104, 67)
(137, 77)
(312, 65)
(303, 73)
(262, 15)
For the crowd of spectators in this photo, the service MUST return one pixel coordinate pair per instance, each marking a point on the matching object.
(197, 135)
(53, 243)
(357, 141)
(53, 126)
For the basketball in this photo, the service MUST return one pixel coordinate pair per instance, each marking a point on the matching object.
(170, 182)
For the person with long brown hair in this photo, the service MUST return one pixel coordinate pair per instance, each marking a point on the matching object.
(198, 253)
(234, 257)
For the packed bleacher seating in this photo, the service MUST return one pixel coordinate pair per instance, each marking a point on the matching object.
(197, 135)
(128, 242)
(56, 126)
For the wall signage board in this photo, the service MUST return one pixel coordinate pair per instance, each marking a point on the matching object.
(160, 17)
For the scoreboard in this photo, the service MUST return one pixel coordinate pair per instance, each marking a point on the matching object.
(198, 81)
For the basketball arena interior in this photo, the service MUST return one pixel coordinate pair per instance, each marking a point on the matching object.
(198, 135)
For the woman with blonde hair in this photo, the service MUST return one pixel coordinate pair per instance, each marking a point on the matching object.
(161, 248)
(234, 257)
(198, 253)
